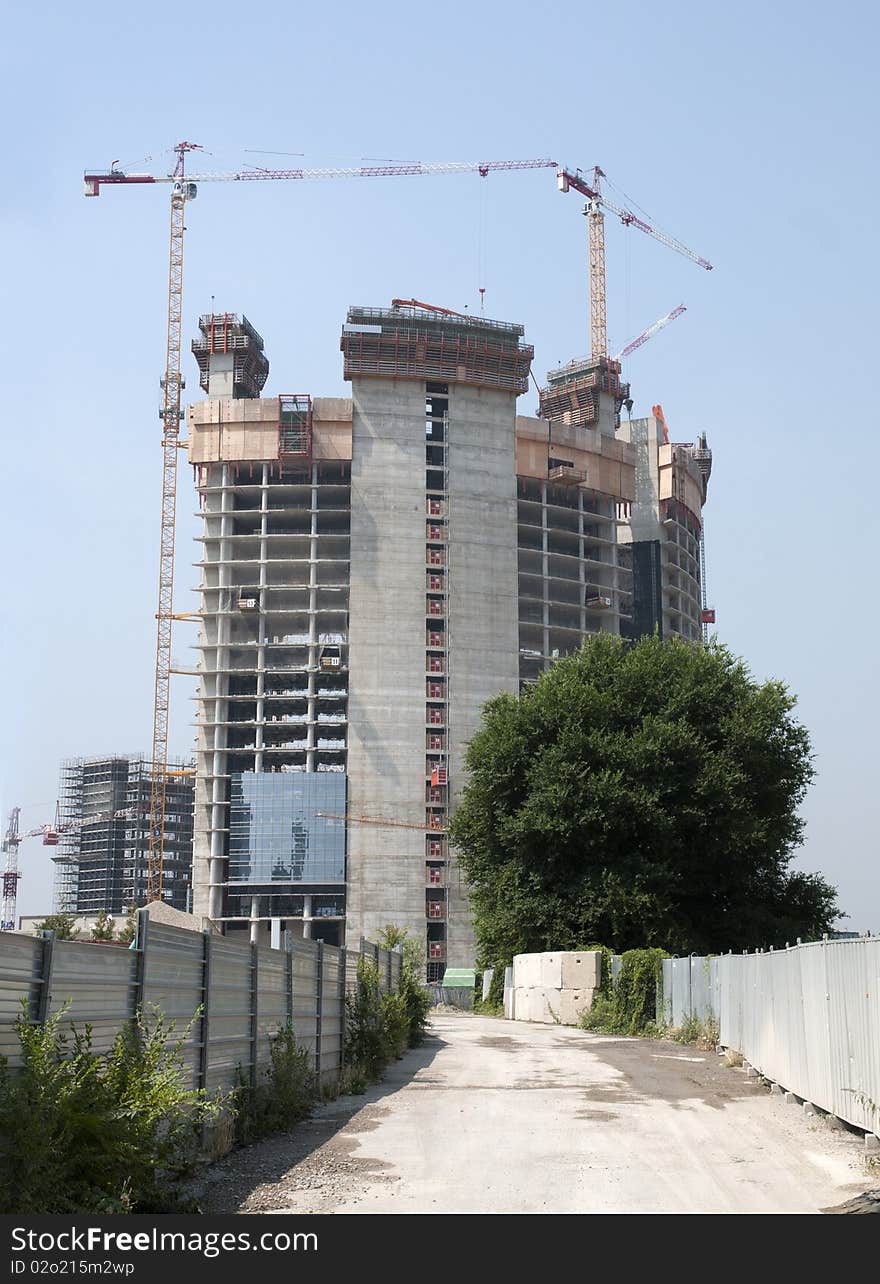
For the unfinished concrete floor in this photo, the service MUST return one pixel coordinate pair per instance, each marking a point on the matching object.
(495, 1116)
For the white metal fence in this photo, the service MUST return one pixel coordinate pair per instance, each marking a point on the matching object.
(807, 1017)
(239, 994)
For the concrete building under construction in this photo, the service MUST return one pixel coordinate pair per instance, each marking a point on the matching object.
(373, 570)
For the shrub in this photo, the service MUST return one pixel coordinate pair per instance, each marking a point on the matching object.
(282, 1097)
(415, 996)
(395, 1024)
(365, 1047)
(63, 925)
(628, 1005)
(417, 1004)
(82, 1131)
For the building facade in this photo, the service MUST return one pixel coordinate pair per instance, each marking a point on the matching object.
(102, 841)
(373, 570)
(664, 531)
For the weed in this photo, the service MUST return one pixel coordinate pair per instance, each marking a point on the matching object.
(284, 1094)
(628, 1004)
(82, 1131)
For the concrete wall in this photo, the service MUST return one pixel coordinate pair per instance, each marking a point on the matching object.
(483, 606)
(387, 731)
(553, 988)
(386, 747)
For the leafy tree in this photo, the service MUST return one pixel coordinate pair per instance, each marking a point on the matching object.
(642, 795)
(63, 925)
(102, 930)
(128, 930)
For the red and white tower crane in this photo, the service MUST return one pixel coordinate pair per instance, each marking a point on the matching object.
(650, 332)
(50, 834)
(597, 203)
(183, 189)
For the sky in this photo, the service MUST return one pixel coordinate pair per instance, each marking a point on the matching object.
(747, 132)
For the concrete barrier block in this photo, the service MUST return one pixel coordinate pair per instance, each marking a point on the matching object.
(539, 1005)
(581, 970)
(526, 971)
(521, 1004)
(551, 971)
(573, 1003)
(509, 1004)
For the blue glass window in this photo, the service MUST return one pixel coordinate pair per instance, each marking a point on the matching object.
(275, 832)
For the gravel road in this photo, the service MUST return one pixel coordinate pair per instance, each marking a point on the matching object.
(497, 1116)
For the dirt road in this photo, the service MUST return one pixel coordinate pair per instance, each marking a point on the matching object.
(496, 1116)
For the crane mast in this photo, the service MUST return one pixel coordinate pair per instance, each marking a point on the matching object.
(594, 209)
(171, 412)
(11, 873)
(596, 242)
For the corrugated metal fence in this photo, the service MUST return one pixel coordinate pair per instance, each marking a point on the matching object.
(226, 998)
(807, 1017)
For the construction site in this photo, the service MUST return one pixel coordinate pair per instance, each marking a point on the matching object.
(372, 569)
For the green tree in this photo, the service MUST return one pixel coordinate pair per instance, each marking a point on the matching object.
(128, 930)
(63, 925)
(102, 929)
(641, 795)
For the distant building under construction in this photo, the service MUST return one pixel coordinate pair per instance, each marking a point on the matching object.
(101, 845)
(373, 570)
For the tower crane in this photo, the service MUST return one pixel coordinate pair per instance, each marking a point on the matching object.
(13, 838)
(382, 821)
(183, 189)
(650, 332)
(597, 203)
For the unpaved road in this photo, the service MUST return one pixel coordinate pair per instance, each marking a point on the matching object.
(497, 1116)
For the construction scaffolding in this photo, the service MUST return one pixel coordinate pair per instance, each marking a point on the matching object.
(103, 834)
(573, 391)
(294, 426)
(225, 333)
(416, 343)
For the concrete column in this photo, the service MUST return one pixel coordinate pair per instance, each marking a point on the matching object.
(307, 918)
(314, 648)
(582, 570)
(220, 708)
(259, 735)
(545, 576)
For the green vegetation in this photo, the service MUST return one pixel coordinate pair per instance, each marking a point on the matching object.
(628, 1004)
(696, 1031)
(645, 795)
(128, 930)
(63, 925)
(283, 1095)
(379, 1028)
(413, 994)
(82, 1131)
(102, 929)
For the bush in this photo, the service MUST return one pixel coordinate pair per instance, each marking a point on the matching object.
(395, 1024)
(627, 1005)
(417, 1004)
(365, 1047)
(283, 1097)
(82, 1131)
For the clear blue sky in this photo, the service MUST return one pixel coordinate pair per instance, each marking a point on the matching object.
(747, 131)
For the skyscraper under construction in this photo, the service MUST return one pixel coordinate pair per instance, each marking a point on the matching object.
(373, 570)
